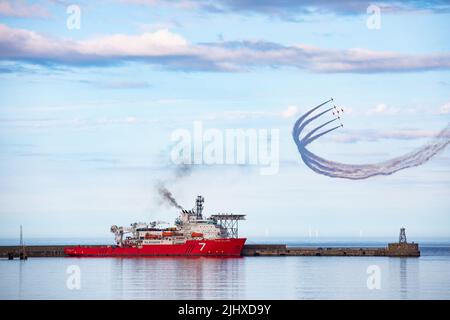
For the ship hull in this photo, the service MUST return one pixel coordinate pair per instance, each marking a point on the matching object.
(212, 247)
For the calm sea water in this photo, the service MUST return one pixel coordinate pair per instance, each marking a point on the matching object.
(427, 277)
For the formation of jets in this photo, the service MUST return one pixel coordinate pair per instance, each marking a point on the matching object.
(337, 112)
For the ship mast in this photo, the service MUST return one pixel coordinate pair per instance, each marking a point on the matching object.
(22, 252)
(199, 204)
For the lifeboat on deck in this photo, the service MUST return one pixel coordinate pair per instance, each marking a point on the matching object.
(197, 235)
(167, 233)
(151, 236)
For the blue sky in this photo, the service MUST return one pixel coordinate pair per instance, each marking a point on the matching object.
(86, 114)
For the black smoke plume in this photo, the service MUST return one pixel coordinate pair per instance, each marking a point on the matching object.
(167, 196)
(181, 171)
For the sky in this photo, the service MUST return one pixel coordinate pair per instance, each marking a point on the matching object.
(91, 93)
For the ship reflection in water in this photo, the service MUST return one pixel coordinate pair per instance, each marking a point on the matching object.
(427, 277)
(178, 278)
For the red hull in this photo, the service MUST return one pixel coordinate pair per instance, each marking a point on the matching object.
(215, 247)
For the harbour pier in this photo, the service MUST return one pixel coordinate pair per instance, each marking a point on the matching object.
(402, 248)
(254, 250)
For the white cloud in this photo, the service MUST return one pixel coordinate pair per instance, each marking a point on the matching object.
(290, 9)
(161, 42)
(382, 109)
(347, 110)
(290, 112)
(21, 43)
(445, 109)
(152, 27)
(171, 50)
(131, 119)
(238, 115)
(21, 9)
(125, 84)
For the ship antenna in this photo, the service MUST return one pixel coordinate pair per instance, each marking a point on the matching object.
(199, 204)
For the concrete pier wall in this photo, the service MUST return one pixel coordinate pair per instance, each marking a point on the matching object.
(392, 250)
(34, 251)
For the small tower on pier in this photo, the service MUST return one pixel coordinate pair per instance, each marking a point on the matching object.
(402, 248)
(402, 236)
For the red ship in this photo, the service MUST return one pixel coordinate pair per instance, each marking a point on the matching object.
(192, 235)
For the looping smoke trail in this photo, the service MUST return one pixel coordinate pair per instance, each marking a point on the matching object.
(317, 129)
(362, 171)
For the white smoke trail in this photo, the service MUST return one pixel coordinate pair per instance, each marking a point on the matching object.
(362, 171)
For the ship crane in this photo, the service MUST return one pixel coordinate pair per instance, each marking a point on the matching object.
(120, 231)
